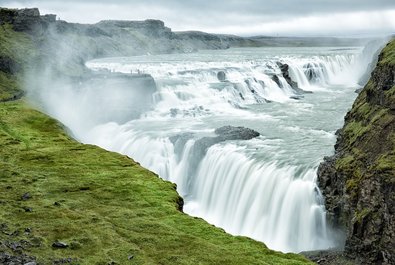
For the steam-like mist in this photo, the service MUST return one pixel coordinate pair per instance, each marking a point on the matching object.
(263, 188)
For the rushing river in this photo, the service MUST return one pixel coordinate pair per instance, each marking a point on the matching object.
(264, 188)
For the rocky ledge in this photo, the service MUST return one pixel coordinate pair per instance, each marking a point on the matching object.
(358, 180)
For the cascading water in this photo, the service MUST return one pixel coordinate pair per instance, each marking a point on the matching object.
(264, 188)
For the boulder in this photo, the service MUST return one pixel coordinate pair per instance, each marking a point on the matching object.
(221, 75)
(225, 133)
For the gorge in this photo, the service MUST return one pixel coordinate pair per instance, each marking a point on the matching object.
(259, 183)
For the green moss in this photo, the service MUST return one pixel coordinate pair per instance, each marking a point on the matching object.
(344, 162)
(359, 216)
(16, 45)
(104, 205)
(354, 130)
(8, 87)
(388, 54)
(19, 49)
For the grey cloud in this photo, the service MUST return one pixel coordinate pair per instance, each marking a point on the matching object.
(214, 15)
(288, 7)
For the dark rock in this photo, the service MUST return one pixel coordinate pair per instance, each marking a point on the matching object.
(296, 97)
(310, 71)
(225, 133)
(26, 196)
(221, 75)
(59, 244)
(358, 181)
(179, 142)
(236, 133)
(294, 85)
(285, 72)
(26, 20)
(28, 209)
(276, 80)
(8, 65)
(16, 259)
(201, 146)
(329, 257)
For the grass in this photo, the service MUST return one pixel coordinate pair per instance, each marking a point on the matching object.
(389, 54)
(105, 206)
(18, 48)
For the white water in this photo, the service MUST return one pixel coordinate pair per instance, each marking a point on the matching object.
(264, 188)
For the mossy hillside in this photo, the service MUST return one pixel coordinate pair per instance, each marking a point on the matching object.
(388, 54)
(104, 205)
(358, 181)
(16, 50)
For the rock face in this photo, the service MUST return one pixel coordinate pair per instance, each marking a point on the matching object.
(25, 20)
(285, 71)
(221, 76)
(225, 133)
(358, 182)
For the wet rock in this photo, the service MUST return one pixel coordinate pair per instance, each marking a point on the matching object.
(285, 72)
(221, 75)
(296, 97)
(235, 133)
(311, 72)
(59, 244)
(225, 133)
(276, 79)
(358, 180)
(179, 142)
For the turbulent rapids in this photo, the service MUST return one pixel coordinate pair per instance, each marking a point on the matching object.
(263, 186)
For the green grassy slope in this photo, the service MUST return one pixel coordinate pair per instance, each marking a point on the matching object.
(16, 49)
(107, 208)
(104, 205)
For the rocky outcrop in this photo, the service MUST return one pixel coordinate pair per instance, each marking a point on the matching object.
(358, 182)
(225, 133)
(221, 76)
(284, 68)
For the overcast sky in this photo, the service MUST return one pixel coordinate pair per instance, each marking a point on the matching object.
(248, 17)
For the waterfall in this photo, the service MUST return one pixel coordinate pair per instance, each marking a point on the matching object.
(263, 188)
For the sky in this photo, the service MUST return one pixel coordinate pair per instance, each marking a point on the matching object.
(351, 18)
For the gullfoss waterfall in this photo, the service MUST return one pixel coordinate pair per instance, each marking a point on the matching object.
(193, 132)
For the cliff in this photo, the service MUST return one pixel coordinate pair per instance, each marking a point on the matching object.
(62, 202)
(358, 181)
